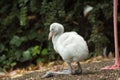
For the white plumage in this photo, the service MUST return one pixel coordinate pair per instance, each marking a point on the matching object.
(71, 46)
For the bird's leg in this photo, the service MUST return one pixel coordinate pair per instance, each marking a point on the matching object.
(53, 73)
(79, 67)
(117, 58)
(76, 72)
(70, 68)
(115, 66)
(64, 72)
(79, 70)
(69, 71)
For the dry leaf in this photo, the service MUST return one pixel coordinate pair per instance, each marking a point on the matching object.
(2, 74)
(13, 73)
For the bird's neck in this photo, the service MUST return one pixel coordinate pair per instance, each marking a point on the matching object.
(55, 38)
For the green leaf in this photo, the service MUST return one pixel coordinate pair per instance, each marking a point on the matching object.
(2, 58)
(18, 54)
(44, 52)
(24, 38)
(26, 55)
(35, 50)
(2, 47)
(39, 60)
(23, 15)
(32, 35)
(16, 41)
(13, 64)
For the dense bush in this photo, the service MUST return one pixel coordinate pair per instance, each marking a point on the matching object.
(24, 27)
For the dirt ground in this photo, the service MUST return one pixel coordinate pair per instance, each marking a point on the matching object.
(91, 71)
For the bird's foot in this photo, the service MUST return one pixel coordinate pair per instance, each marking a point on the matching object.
(53, 73)
(64, 72)
(113, 67)
(48, 74)
(67, 72)
(77, 72)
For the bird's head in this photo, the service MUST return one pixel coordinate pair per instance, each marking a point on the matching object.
(55, 28)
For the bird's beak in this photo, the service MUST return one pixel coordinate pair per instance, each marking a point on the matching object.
(50, 35)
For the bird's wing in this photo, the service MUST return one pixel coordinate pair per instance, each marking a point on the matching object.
(68, 39)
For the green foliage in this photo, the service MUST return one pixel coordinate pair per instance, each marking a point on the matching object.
(44, 52)
(35, 50)
(26, 55)
(2, 47)
(24, 27)
(99, 18)
(100, 41)
(16, 40)
(23, 12)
